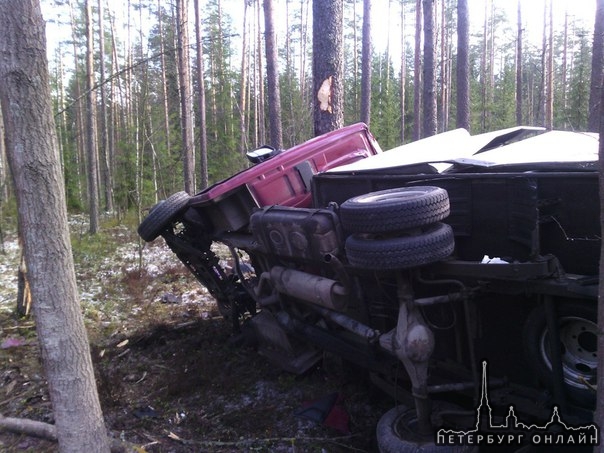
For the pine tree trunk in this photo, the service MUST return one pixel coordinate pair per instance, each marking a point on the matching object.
(597, 69)
(105, 154)
(29, 126)
(201, 102)
(243, 94)
(417, 71)
(429, 95)
(549, 87)
(519, 44)
(186, 101)
(403, 80)
(164, 84)
(260, 81)
(91, 142)
(463, 65)
(327, 65)
(272, 78)
(366, 65)
(599, 414)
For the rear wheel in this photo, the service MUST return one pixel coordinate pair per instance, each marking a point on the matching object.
(578, 335)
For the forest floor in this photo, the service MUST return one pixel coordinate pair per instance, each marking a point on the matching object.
(170, 376)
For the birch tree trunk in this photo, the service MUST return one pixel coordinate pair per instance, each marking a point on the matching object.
(32, 151)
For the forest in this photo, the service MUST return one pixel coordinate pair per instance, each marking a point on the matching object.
(124, 105)
(136, 87)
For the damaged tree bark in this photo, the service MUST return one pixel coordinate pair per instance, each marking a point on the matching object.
(327, 65)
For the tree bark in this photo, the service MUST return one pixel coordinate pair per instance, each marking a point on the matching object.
(105, 152)
(599, 414)
(549, 85)
(201, 102)
(366, 65)
(519, 67)
(244, 89)
(403, 75)
(463, 65)
(429, 95)
(597, 69)
(32, 150)
(91, 142)
(417, 73)
(328, 65)
(186, 101)
(272, 78)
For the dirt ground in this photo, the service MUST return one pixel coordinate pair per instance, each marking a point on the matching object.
(171, 376)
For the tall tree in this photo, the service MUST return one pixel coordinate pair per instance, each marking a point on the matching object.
(463, 65)
(327, 65)
(597, 68)
(599, 415)
(91, 141)
(106, 153)
(519, 44)
(549, 68)
(366, 65)
(244, 86)
(403, 80)
(272, 77)
(32, 149)
(417, 73)
(428, 92)
(201, 101)
(186, 98)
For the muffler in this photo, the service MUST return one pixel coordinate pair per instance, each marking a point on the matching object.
(310, 288)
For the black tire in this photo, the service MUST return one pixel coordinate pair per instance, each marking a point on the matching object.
(434, 244)
(161, 215)
(578, 343)
(394, 209)
(396, 434)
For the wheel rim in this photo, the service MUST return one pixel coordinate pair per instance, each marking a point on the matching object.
(578, 347)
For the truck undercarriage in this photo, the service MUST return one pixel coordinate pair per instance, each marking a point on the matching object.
(392, 271)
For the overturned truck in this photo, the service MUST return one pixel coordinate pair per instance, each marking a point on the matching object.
(421, 264)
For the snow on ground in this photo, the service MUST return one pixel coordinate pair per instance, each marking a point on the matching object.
(99, 278)
(9, 262)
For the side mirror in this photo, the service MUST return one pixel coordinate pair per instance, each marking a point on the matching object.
(261, 154)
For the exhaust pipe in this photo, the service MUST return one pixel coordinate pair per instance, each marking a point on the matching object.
(310, 288)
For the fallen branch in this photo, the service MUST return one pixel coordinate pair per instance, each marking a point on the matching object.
(47, 431)
(28, 427)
